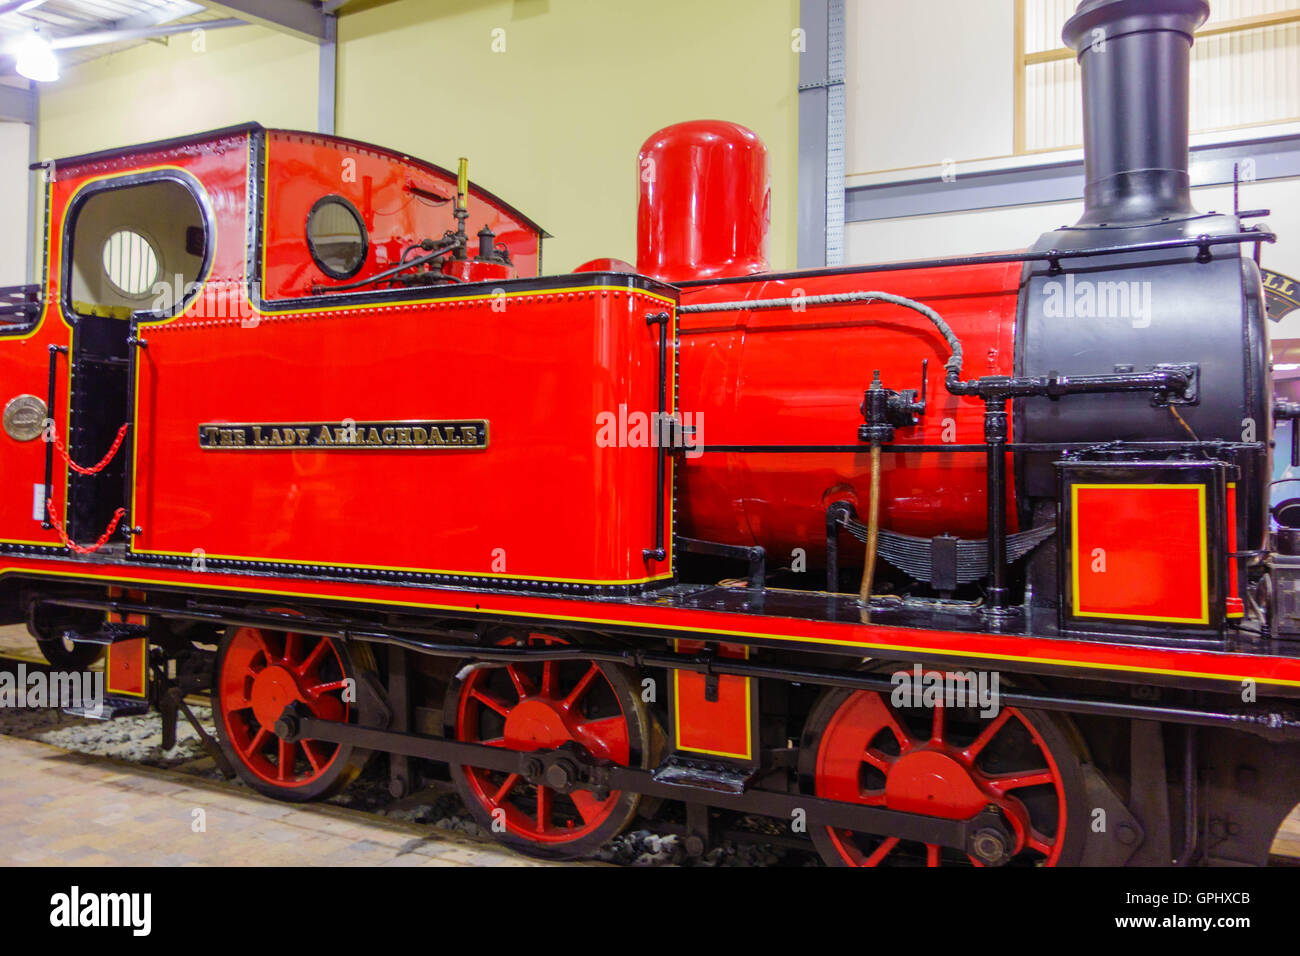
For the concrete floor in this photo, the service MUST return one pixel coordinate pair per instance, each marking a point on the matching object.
(58, 809)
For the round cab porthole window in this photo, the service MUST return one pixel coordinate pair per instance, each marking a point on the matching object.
(337, 237)
(131, 263)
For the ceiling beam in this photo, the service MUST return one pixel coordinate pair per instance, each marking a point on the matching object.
(295, 17)
(78, 40)
(19, 6)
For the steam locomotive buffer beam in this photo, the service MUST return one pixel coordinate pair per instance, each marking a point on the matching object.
(985, 836)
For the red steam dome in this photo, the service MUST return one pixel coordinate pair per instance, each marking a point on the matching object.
(704, 202)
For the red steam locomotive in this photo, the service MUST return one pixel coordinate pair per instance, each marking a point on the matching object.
(941, 562)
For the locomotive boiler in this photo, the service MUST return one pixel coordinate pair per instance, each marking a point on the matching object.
(941, 556)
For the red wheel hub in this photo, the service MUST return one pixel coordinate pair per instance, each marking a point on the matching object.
(261, 673)
(940, 762)
(542, 707)
(274, 688)
(537, 723)
(933, 783)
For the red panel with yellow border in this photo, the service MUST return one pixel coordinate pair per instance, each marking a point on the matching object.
(724, 726)
(1149, 550)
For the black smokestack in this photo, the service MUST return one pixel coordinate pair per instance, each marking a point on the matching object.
(1135, 56)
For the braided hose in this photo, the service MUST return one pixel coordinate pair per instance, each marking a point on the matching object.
(953, 365)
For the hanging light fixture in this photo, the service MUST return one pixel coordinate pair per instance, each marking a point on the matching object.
(36, 59)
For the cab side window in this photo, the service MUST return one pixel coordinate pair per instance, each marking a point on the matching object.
(136, 249)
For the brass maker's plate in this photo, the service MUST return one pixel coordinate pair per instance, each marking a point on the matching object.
(24, 417)
(343, 436)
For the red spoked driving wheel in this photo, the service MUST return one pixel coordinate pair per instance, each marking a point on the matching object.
(545, 705)
(259, 673)
(942, 761)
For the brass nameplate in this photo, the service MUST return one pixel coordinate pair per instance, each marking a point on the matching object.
(346, 435)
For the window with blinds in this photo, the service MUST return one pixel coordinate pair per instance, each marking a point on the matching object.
(1245, 71)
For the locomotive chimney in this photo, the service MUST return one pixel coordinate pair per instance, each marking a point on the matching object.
(1135, 56)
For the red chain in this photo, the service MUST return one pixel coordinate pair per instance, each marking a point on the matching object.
(103, 462)
(103, 538)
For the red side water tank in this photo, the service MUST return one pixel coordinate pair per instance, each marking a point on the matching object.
(704, 204)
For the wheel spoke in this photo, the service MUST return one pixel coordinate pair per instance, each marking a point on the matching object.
(317, 762)
(878, 759)
(971, 753)
(1037, 842)
(881, 852)
(505, 788)
(905, 742)
(550, 680)
(545, 805)
(1014, 781)
(584, 683)
(523, 686)
(490, 700)
(284, 770)
(255, 745)
(260, 640)
(313, 658)
(937, 726)
(333, 685)
(292, 647)
(932, 854)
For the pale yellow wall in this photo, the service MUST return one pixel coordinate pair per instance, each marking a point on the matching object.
(157, 90)
(553, 124)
